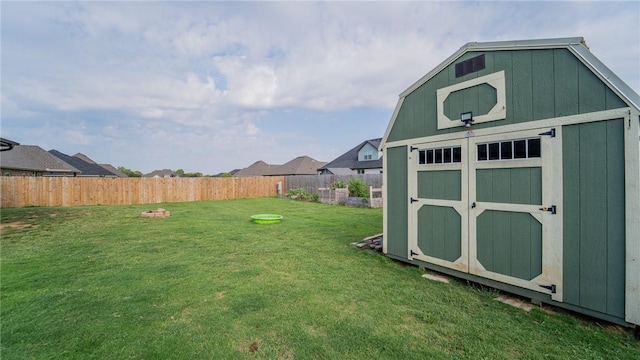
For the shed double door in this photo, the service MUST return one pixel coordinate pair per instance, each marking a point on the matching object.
(490, 206)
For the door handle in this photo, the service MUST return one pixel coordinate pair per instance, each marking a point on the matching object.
(473, 205)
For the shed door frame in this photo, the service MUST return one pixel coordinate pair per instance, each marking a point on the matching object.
(552, 231)
(460, 206)
(469, 209)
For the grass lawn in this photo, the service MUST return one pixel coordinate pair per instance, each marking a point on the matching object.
(101, 282)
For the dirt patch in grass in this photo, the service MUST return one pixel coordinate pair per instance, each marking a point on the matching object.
(15, 225)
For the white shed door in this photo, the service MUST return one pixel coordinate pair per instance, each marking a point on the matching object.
(490, 206)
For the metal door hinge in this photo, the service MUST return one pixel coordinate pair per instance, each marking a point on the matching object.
(411, 148)
(551, 287)
(412, 253)
(413, 200)
(551, 133)
(551, 209)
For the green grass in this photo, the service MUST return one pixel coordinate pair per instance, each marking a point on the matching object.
(206, 283)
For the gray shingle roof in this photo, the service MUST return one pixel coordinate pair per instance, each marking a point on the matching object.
(349, 160)
(258, 168)
(87, 169)
(34, 158)
(6, 144)
(84, 157)
(161, 173)
(112, 169)
(302, 165)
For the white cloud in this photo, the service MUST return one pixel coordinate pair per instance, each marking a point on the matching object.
(198, 79)
(77, 137)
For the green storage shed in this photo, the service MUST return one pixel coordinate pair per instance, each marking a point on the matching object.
(515, 164)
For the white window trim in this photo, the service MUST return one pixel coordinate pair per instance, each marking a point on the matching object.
(498, 112)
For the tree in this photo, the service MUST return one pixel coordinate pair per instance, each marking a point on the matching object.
(129, 172)
(180, 172)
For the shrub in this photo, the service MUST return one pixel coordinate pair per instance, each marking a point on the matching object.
(302, 195)
(339, 185)
(358, 188)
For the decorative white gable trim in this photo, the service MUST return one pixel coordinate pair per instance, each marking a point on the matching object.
(498, 112)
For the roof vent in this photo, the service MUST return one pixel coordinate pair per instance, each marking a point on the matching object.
(468, 66)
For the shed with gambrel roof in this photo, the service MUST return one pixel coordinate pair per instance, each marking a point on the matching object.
(515, 164)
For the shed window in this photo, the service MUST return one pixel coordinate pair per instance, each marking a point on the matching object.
(438, 156)
(508, 150)
(494, 151)
(444, 155)
(482, 152)
(533, 148)
(520, 147)
(457, 155)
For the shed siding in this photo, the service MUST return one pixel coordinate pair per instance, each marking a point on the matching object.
(594, 239)
(397, 201)
(543, 83)
(512, 186)
(540, 84)
(445, 185)
(566, 83)
(522, 82)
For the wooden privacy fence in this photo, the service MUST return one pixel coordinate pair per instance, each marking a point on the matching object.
(76, 191)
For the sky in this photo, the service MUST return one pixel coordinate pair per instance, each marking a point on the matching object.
(214, 86)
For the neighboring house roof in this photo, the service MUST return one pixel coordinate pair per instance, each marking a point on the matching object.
(258, 168)
(34, 158)
(87, 168)
(161, 173)
(349, 160)
(84, 158)
(576, 45)
(6, 144)
(339, 171)
(232, 173)
(112, 169)
(302, 165)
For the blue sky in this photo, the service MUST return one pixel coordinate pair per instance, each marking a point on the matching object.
(212, 86)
